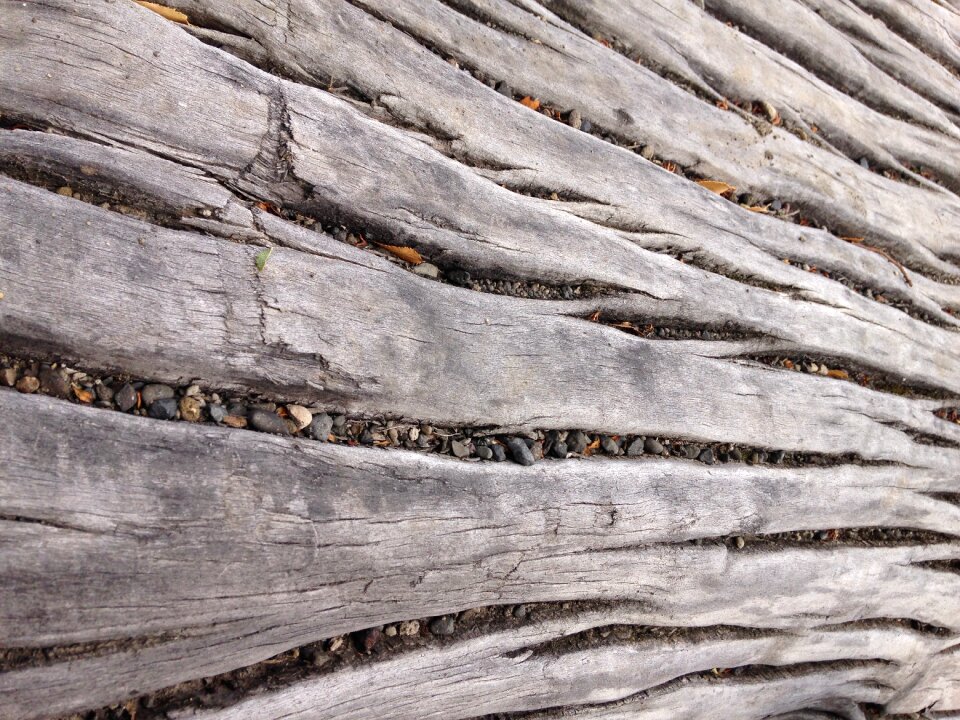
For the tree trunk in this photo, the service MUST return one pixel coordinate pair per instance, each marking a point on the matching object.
(479, 358)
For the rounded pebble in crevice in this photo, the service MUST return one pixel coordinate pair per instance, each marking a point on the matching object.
(126, 397)
(55, 383)
(519, 452)
(499, 454)
(736, 455)
(268, 422)
(484, 452)
(427, 270)
(217, 413)
(409, 628)
(652, 446)
(443, 625)
(459, 277)
(28, 384)
(153, 392)
(635, 448)
(320, 427)
(776, 456)
(574, 119)
(163, 409)
(191, 408)
(460, 449)
(609, 445)
(504, 89)
(706, 456)
(559, 450)
(300, 416)
(104, 392)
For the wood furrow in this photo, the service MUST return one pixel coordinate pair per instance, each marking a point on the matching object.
(241, 546)
(271, 332)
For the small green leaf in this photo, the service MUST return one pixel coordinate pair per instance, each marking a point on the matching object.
(261, 259)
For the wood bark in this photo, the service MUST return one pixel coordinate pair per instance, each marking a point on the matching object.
(543, 158)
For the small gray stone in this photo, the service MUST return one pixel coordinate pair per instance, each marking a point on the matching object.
(635, 448)
(520, 612)
(865, 163)
(320, 427)
(54, 382)
(736, 455)
(504, 89)
(559, 450)
(691, 452)
(706, 456)
(8, 376)
(575, 120)
(577, 441)
(499, 454)
(126, 397)
(104, 392)
(268, 422)
(652, 446)
(428, 270)
(776, 456)
(443, 625)
(163, 409)
(459, 448)
(153, 392)
(519, 451)
(609, 445)
(459, 277)
(484, 452)
(217, 413)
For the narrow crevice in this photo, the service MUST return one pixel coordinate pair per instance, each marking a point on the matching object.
(366, 647)
(195, 404)
(650, 328)
(19, 658)
(844, 370)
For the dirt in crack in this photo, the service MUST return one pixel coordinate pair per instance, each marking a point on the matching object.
(198, 405)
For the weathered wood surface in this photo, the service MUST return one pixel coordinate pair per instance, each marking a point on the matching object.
(179, 551)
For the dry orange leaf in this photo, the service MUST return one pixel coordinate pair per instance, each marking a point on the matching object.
(531, 103)
(854, 240)
(407, 254)
(717, 186)
(83, 395)
(595, 317)
(235, 421)
(168, 12)
(759, 208)
(838, 374)
(591, 447)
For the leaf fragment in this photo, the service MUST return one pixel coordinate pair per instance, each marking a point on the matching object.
(167, 12)
(530, 102)
(407, 254)
(838, 374)
(717, 186)
(82, 394)
(262, 257)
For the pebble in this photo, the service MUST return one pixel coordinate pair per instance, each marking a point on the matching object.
(776, 457)
(55, 382)
(575, 119)
(609, 445)
(414, 433)
(586, 126)
(520, 612)
(776, 206)
(300, 416)
(409, 628)
(66, 191)
(268, 422)
(104, 392)
(648, 152)
(652, 446)
(559, 450)
(217, 413)
(371, 638)
(191, 408)
(443, 625)
(691, 452)
(126, 397)
(736, 455)
(337, 643)
(865, 163)
(504, 89)
(163, 409)
(28, 384)
(339, 422)
(192, 390)
(151, 393)
(706, 456)
(577, 441)
(635, 448)
(8, 376)
(320, 427)
(740, 542)
(459, 277)
(235, 421)
(484, 453)
(428, 270)
(519, 451)
(499, 454)
(460, 449)
(390, 631)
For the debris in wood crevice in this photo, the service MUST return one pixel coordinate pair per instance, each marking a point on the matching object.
(368, 646)
(654, 328)
(839, 369)
(193, 403)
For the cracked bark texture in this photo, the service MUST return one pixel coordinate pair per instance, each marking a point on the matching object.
(138, 555)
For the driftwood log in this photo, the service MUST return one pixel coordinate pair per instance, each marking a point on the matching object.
(479, 358)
